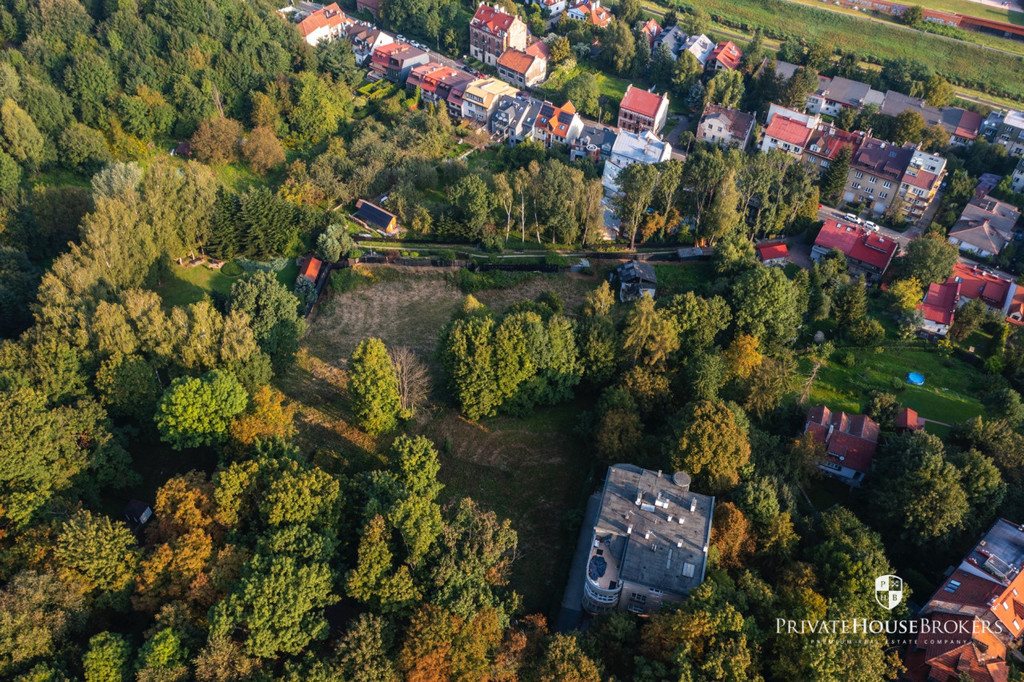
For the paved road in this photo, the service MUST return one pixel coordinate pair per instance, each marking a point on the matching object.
(571, 614)
(902, 238)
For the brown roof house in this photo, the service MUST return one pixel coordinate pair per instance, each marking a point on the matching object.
(725, 127)
(523, 68)
(985, 227)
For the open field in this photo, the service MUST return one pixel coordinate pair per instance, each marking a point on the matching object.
(951, 393)
(975, 9)
(533, 471)
(967, 64)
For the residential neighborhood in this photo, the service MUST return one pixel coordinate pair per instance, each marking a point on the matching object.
(540, 340)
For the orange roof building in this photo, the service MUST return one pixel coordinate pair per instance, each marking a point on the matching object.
(326, 23)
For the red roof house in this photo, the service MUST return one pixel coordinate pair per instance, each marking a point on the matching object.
(938, 307)
(850, 442)
(992, 289)
(788, 134)
(979, 609)
(773, 253)
(325, 23)
(867, 252)
(651, 29)
(725, 56)
(311, 270)
(907, 420)
(642, 110)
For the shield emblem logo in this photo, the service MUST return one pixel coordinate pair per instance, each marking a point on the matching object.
(889, 591)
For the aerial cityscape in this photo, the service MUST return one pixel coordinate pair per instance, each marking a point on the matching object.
(540, 340)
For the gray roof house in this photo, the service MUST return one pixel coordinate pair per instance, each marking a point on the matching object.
(985, 227)
(636, 279)
(650, 542)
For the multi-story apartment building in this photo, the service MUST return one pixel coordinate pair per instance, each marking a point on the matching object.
(885, 176)
(649, 544)
(481, 98)
(492, 31)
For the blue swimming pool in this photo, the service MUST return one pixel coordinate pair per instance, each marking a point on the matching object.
(915, 378)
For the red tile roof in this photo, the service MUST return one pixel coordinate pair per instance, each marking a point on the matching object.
(849, 439)
(599, 16)
(908, 419)
(976, 283)
(539, 48)
(771, 251)
(330, 16)
(728, 54)
(857, 243)
(492, 20)
(939, 304)
(789, 130)
(642, 102)
(311, 270)
(827, 140)
(651, 29)
(516, 60)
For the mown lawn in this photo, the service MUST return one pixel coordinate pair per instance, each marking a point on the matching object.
(190, 285)
(951, 392)
(677, 278)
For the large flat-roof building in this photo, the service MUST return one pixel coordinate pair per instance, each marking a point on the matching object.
(649, 545)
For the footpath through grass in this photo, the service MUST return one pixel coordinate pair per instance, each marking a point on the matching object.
(950, 395)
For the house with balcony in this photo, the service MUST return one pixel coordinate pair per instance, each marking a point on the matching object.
(642, 110)
(824, 145)
(492, 30)
(324, 24)
(920, 184)
(395, 61)
(365, 39)
(1006, 128)
(481, 97)
(849, 441)
(979, 608)
(649, 544)
(630, 148)
(876, 174)
(513, 118)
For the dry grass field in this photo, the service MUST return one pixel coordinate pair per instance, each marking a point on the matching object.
(534, 471)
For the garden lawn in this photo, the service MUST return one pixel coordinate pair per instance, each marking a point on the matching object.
(190, 285)
(951, 393)
(677, 278)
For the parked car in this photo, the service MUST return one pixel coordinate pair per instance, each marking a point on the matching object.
(872, 226)
(853, 219)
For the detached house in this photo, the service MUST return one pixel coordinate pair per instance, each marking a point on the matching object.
(650, 30)
(725, 127)
(648, 547)
(1017, 181)
(938, 307)
(850, 441)
(867, 253)
(994, 290)
(326, 23)
(725, 56)
(630, 148)
(979, 608)
(492, 31)
(591, 12)
(396, 60)
(701, 47)
(985, 227)
(788, 130)
(642, 110)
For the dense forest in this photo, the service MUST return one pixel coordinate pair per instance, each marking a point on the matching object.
(266, 563)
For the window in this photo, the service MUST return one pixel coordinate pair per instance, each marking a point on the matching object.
(872, 179)
(887, 184)
(869, 190)
(1006, 606)
(883, 195)
(856, 185)
(858, 175)
(1016, 625)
